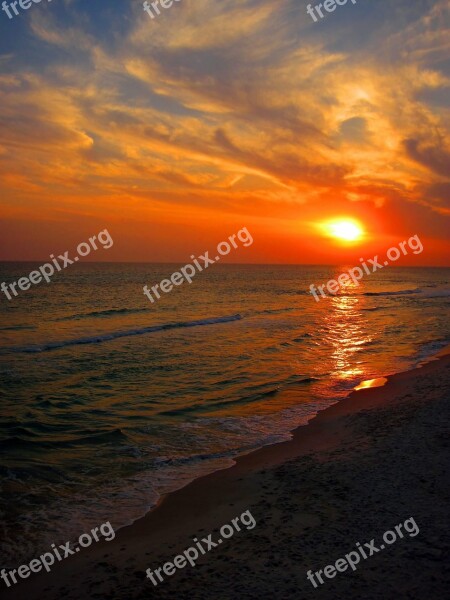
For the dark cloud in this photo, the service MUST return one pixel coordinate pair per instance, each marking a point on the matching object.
(435, 158)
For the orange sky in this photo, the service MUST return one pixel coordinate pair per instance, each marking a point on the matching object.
(176, 133)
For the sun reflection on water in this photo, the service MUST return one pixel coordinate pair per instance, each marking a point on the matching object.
(345, 330)
(371, 383)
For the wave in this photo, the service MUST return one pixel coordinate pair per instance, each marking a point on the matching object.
(435, 294)
(307, 380)
(16, 443)
(274, 311)
(17, 327)
(258, 396)
(430, 349)
(119, 334)
(394, 293)
(21, 440)
(104, 313)
(439, 293)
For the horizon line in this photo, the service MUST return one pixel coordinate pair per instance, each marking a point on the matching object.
(119, 262)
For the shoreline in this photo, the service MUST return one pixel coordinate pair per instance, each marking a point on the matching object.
(208, 502)
(431, 358)
(381, 381)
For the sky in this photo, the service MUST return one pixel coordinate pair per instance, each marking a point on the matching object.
(176, 132)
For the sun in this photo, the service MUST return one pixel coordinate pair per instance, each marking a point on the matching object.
(347, 230)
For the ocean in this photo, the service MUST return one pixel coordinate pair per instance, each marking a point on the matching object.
(109, 401)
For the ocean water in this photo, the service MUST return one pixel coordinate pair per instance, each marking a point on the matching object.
(108, 401)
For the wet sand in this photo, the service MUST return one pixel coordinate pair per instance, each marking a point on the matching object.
(359, 468)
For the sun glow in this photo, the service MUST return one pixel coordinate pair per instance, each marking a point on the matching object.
(347, 230)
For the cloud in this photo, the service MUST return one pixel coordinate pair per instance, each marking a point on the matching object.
(227, 104)
(435, 158)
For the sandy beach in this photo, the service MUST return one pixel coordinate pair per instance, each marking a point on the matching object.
(359, 468)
